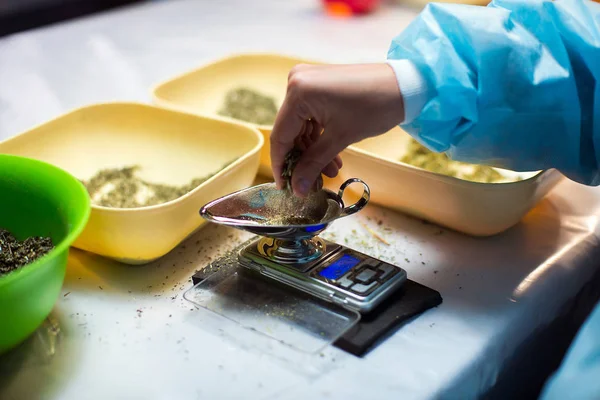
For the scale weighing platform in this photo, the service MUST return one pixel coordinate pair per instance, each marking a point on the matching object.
(292, 286)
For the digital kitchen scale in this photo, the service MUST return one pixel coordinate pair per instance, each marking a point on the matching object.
(288, 283)
(341, 275)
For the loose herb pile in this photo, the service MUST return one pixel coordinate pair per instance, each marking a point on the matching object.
(250, 106)
(122, 188)
(421, 157)
(289, 220)
(15, 254)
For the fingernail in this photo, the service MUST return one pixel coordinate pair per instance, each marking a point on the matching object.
(303, 187)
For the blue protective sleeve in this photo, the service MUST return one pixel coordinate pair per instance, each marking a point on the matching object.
(579, 375)
(513, 85)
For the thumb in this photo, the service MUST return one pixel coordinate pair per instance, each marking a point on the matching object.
(313, 161)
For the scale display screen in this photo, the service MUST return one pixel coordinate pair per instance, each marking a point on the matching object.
(339, 267)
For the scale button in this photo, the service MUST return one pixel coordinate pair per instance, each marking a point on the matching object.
(365, 276)
(363, 289)
(387, 270)
(345, 282)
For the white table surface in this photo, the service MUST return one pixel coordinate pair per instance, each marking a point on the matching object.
(126, 332)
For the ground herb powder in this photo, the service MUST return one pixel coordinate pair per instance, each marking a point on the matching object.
(122, 188)
(250, 106)
(421, 157)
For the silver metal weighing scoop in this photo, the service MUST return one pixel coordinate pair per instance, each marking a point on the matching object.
(292, 223)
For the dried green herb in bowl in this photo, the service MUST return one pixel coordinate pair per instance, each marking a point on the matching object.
(122, 188)
(419, 156)
(250, 106)
(15, 254)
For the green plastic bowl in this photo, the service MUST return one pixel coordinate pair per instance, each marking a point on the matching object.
(36, 199)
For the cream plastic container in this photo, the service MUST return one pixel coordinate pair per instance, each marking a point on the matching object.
(478, 209)
(203, 90)
(170, 147)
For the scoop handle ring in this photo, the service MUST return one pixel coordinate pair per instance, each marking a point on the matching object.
(361, 203)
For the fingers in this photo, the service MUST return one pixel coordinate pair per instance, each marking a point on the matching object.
(290, 122)
(321, 156)
(338, 161)
(317, 129)
(288, 125)
(297, 125)
(331, 170)
(308, 137)
(302, 142)
(311, 135)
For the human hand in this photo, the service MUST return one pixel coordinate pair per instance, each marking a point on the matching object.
(326, 109)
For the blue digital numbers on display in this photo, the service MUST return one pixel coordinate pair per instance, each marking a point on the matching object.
(342, 265)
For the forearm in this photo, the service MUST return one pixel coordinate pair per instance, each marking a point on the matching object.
(511, 85)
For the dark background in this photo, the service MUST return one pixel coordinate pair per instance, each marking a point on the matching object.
(20, 15)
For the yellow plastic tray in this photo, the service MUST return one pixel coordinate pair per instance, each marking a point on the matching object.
(478, 209)
(203, 90)
(171, 147)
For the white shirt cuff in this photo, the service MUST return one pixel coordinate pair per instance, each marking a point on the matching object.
(413, 88)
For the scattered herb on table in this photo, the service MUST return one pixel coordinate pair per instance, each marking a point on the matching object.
(375, 234)
(250, 106)
(15, 254)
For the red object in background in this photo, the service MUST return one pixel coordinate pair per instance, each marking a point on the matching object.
(346, 8)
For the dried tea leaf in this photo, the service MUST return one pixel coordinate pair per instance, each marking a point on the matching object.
(15, 254)
(250, 106)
